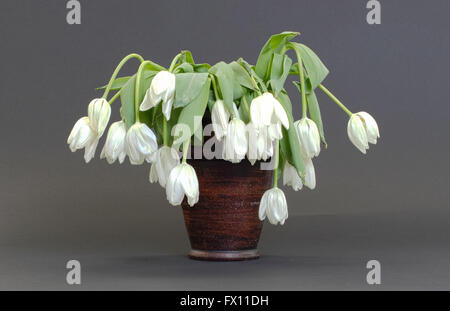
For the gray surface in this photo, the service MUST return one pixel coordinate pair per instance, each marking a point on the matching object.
(391, 205)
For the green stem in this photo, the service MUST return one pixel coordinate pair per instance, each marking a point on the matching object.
(186, 149)
(276, 157)
(174, 61)
(337, 101)
(244, 101)
(114, 97)
(216, 93)
(302, 82)
(116, 71)
(165, 131)
(137, 87)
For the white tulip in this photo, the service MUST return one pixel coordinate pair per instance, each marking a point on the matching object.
(140, 143)
(161, 89)
(182, 181)
(166, 158)
(370, 125)
(99, 112)
(361, 130)
(309, 137)
(220, 118)
(310, 174)
(291, 178)
(266, 110)
(115, 143)
(274, 131)
(273, 205)
(236, 142)
(83, 136)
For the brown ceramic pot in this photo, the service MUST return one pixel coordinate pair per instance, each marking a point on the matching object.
(224, 224)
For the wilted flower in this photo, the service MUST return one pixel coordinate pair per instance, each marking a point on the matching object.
(83, 136)
(220, 118)
(140, 143)
(310, 174)
(309, 138)
(182, 181)
(266, 110)
(273, 205)
(161, 89)
(166, 158)
(362, 129)
(235, 143)
(115, 143)
(99, 112)
(260, 145)
(290, 177)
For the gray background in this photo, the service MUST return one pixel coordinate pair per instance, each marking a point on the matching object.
(391, 205)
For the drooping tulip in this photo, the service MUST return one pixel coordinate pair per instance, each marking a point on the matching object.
(236, 142)
(291, 178)
(162, 90)
(166, 158)
(99, 112)
(83, 136)
(370, 125)
(266, 110)
(220, 118)
(310, 174)
(309, 137)
(140, 143)
(362, 129)
(182, 181)
(114, 148)
(273, 205)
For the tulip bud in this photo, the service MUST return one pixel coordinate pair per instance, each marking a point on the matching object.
(266, 110)
(83, 136)
(161, 89)
(140, 143)
(362, 129)
(309, 138)
(182, 181)
(220, 118)
(235, 143)
(99, 112)
(291, 178)
(166, 159)
(273, 205)
(115, 143)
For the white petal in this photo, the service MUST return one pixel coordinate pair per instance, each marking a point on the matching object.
(371, 126)
(357, 133)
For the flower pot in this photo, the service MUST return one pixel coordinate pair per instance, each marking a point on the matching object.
(224, 224)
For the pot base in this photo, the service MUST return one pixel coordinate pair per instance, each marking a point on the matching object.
(247, 254)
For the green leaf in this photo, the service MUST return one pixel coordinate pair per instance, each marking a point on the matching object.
(242, 76)
(314, 111)
(188, 86)
(127, 99)
(244, 107)
(225, 80)
(290, 144)
(281, 65)
(201, 67)
(120, 82)
(184, 67)
(275, 44)
(187, 57)
(316, 70)
(195, 109)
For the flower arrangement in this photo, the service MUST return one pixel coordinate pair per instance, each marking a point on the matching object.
(251, 113)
